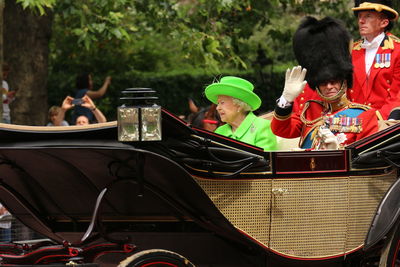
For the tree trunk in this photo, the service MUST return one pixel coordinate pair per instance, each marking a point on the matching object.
(26, 50)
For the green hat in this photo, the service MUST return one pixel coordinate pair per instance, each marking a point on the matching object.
(235, 87)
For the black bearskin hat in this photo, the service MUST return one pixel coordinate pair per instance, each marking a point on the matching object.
(384, 6)
(323, 48)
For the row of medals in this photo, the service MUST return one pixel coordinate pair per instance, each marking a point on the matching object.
(382, 61)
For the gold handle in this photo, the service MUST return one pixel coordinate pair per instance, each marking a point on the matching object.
(279, 191)
(313, 165)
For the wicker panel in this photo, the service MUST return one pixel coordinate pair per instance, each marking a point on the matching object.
(310, 219)
(305, 218)
(246, 204)
(365, 195)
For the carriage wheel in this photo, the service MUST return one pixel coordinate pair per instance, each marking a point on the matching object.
(390, 256)
(156, 258)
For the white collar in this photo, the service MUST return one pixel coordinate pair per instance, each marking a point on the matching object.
(375, 42)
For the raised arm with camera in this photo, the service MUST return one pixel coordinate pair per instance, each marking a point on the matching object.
(88, 103)
(66, 105)
(70, 102)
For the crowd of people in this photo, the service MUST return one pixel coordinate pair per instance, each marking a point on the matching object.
(83, 109)
(57, 113)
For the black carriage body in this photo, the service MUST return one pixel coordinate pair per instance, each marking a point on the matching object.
(215, 201)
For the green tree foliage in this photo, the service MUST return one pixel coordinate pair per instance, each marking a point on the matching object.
(166, 38)
(165, 35)
(38, 5)
(119, 37)
(154, 35)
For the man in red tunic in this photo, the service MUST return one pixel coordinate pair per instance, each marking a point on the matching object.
(376, 60)
(322, 47)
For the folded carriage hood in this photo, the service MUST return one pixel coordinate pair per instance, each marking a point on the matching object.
(53, 177)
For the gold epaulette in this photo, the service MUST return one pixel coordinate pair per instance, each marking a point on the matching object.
(357, 45)
(361, 106)
(395, 38)
(388, 43)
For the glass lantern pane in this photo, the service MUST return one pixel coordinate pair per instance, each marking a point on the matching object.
(128, 124)
(151, 123)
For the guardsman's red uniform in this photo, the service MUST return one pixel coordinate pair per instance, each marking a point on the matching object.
(380, 90)
(305, 95)
(349, 123)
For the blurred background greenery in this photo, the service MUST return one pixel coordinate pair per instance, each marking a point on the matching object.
(178, 47)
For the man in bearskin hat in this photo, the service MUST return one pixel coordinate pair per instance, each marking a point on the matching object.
(322, 48)
(376, 60)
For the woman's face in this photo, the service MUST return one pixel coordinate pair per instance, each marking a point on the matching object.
(228, 111)
(330, 88)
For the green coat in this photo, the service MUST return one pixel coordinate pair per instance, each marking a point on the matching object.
(253, 130)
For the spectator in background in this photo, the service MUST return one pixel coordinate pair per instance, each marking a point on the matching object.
(82, 120)
(7, 95)
(5, 224)
(87, 103)
(57, 114)
(84, 85)
(56, 117)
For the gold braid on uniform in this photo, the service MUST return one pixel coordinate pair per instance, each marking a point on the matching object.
(357, 45)
(389, 40)
(394, 38)
(360, 106)
(282, 118)
(341, 104)
(306, 106)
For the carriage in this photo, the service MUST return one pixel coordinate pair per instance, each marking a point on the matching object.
(196, 198)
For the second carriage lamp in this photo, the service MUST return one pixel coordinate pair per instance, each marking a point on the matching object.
(139, 117)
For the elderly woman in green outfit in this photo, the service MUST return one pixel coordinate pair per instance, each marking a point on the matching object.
(235, 101)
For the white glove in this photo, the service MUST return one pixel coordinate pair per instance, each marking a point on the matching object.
(329, 140)
(294, 83)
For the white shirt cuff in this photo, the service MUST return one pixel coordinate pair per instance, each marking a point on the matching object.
(283, 103)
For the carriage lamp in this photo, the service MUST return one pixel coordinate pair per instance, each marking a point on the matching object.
(139, 117)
